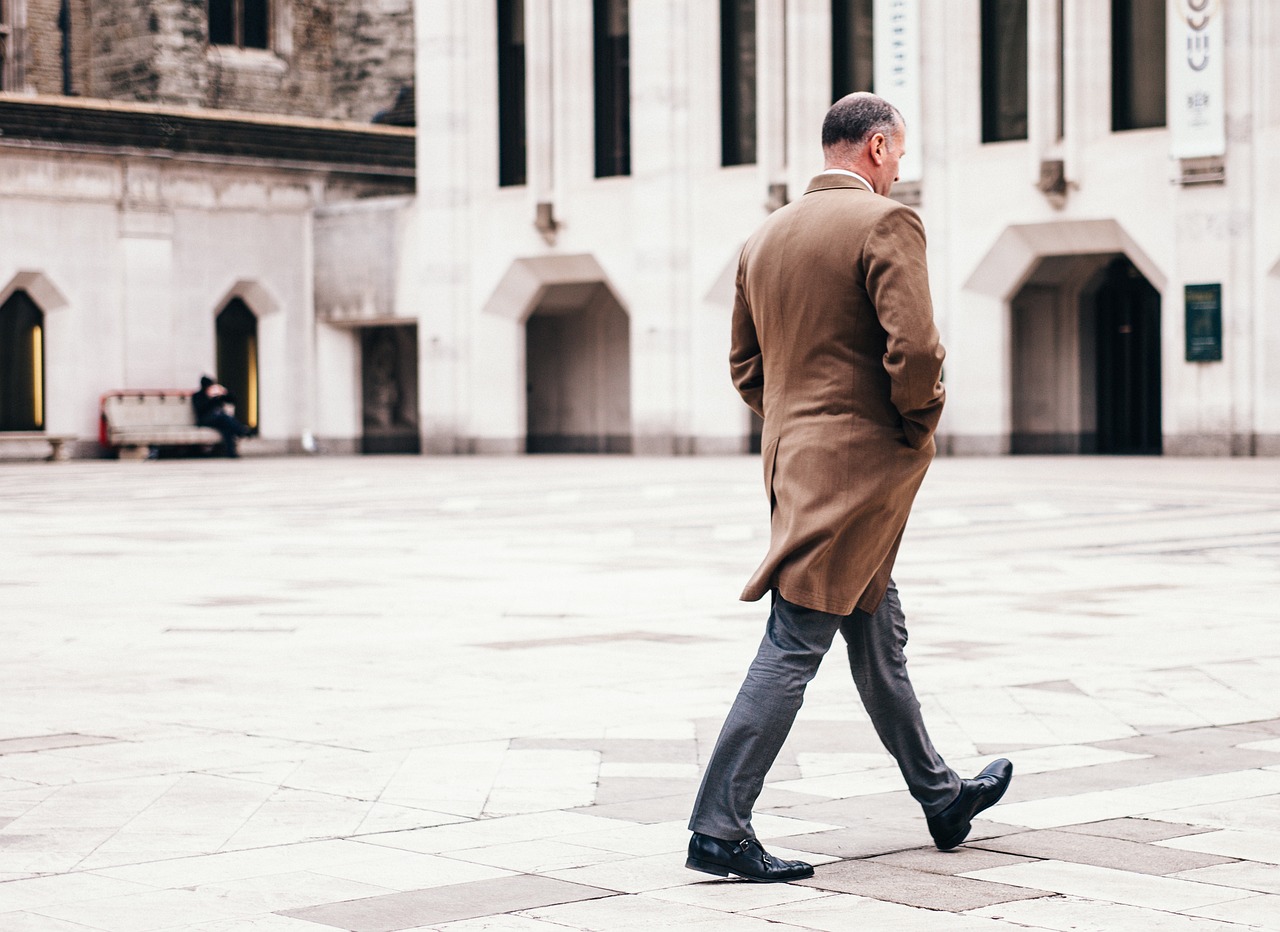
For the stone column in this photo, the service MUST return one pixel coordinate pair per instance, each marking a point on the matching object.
(442, 241)
(660, 168)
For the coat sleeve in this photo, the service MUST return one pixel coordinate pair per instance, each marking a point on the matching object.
(745, 364)
(898, 286)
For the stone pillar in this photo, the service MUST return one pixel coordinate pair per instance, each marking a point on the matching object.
(660, 168)
(442, 240)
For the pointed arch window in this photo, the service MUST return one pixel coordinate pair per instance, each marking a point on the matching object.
(237, 351)
(21, 364)
(243, 23)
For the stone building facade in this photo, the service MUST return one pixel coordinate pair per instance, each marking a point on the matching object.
(1104, 257)
(165, 166)
(317, 58)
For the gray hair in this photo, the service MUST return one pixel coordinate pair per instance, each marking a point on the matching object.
(855, 118)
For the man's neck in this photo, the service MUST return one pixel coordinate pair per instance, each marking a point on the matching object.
(840, 170)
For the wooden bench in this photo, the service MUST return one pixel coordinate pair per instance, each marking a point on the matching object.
(27, 437)
(134, 421)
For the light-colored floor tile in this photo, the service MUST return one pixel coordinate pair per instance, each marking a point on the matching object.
(1242, 875)
(1108, 884)
(276, 892)
(1248, 846)
(1271, 744)
(845, 913)
(1074, 914)
(61, 888)
(734, 896)
(1259, 814)
(1257, 912)
(624, 912)
(535, 857)
(635, 875)
(1131, 801)
(408, 870)
(145, 912)
(507, 923)
(486, 832)
(658, 771)
(235, 865)
(637, 840)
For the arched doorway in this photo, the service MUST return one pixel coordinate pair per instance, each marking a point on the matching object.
(237, 357)
(578, 371)
(21, 364)
(1085, 334)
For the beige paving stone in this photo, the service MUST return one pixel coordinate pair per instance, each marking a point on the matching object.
(145, 912)
(1061, 610)
(634, 875)
(1100, 852)
(1243, 875)
(846, 913)
(1076, 914)
(1110, 885)
(20, 895)
(399, 911)
(1257, 912)
(735, 896)
(536, 857)
(236, 865)
(879, 881)
(1249, 846)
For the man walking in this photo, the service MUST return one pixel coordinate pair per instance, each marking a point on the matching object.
(834, 346)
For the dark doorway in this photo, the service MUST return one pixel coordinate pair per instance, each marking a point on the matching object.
(1085, 377)
(21, 364)
(578, 372)
(1127, 315)
(237, 350)
(389, 389)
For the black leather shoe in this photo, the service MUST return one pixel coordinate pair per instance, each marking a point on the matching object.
(951, 826)
(745, 859)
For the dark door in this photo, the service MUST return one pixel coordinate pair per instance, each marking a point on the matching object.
(237, 349)
(1128, 335)
(389, 383)
(21, 364)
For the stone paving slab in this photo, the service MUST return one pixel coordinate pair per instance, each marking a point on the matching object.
(413, 693)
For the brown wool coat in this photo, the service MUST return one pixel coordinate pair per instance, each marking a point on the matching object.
(834, 346)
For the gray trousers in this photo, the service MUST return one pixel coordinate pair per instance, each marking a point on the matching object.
(794, 644)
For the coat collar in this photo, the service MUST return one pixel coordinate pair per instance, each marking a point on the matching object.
(826, 182)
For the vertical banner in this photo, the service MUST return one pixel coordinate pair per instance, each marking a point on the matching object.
(1197, 109)
(896, 50)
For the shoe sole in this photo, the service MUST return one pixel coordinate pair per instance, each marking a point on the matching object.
(957, 842)
(719, 870)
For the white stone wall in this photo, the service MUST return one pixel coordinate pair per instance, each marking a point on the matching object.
(131, 259)
(667, 236)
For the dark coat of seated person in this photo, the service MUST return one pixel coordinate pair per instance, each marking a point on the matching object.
(215, 407)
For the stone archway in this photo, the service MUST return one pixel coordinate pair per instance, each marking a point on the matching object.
(1081, 353)
(574, 354)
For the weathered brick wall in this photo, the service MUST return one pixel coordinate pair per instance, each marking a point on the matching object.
(330, 58)
(122, 49)
(373, 56)
(43, 59)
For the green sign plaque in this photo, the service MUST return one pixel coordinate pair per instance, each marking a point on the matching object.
(1204, 322)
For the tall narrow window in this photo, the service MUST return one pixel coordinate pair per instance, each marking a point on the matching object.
(237, 348)
(1137, 64)
(1004, 70)
(512, 139)
(737, 82)
(244, 23)
(852, 56)
(21, 364)
(613, 88)
(7, 81)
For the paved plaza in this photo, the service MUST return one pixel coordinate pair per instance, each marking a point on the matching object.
(382, 694)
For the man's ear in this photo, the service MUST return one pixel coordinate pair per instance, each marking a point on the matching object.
(878, 148)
